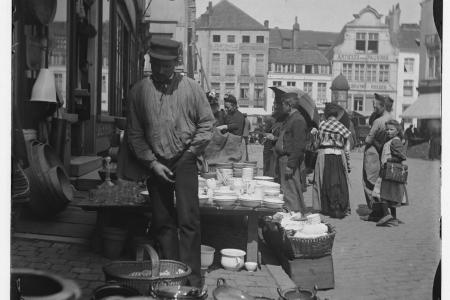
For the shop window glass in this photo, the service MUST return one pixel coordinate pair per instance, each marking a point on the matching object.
(58, 48)
(105, 55)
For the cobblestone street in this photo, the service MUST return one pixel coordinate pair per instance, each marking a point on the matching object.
(369, 262)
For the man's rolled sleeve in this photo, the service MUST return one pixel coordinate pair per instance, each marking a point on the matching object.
(136, 133)
(204, 126)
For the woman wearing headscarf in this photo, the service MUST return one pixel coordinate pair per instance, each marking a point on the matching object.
(331, 183)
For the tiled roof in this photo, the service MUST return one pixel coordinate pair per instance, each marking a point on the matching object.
(407, 37)
(226, 16)
(306, 38)
(297, 56)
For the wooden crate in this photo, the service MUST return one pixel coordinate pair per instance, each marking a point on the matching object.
(307, 272)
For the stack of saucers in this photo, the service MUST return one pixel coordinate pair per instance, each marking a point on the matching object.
(265, 178)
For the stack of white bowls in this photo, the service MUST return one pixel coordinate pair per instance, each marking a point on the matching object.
(247, 174)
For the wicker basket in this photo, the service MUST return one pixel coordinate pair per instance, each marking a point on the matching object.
(120, 271)
(308, 247)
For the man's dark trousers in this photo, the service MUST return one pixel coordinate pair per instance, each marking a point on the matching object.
(177, 227)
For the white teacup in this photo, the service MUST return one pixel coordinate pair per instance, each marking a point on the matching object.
(251, 266)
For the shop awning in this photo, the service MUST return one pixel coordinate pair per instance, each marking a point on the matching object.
(427, 106)
(254, 111)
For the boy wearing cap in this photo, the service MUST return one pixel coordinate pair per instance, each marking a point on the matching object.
(169, 124)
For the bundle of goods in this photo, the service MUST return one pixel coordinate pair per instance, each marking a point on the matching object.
(305, 237)
(146, 276)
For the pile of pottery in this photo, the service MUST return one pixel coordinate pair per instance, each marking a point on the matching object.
(227, 191)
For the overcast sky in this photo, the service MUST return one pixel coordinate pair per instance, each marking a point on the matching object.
(319, 15)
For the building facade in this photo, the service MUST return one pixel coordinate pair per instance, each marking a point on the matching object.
(232, 55)
(306, 69)
(174, 20)
(366, 55)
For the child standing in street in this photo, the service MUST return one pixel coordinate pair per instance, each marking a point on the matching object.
(391, 194)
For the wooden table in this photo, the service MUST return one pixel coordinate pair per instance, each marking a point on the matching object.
(252, 224)
(104, 209)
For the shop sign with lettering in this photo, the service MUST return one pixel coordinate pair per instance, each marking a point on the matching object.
(364, 57)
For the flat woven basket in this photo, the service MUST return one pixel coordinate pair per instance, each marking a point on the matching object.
(157, 272)
(308, 247)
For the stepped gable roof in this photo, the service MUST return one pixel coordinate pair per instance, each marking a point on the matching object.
(297, 56)
(226, 16)
(340, 83)
(407, 37)
(305, 37)
(368, 8)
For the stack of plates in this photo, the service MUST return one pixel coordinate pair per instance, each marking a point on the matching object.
(266, 178)
(273, 202)
(271, 192)
(247, 174)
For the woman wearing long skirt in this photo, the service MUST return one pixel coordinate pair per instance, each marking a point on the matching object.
(331, 184)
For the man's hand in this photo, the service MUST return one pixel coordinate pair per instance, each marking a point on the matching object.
(270, 136)
(162, 171)
(288, 172)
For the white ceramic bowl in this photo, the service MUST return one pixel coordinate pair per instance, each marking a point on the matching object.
(225, 201)
(232, 259)
(251, 266)
(250, 203)
(268, 184)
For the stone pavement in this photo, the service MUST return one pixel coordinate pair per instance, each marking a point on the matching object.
(387, 262)
(78, 262)
(369, 262)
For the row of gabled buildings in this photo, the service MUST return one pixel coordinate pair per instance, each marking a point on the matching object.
(239, 55)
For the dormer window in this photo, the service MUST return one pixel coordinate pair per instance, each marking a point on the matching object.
(372, 46)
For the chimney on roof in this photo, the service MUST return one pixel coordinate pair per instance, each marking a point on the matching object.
(266, 23)
(295, 34)
(209, 9)
(393, 19)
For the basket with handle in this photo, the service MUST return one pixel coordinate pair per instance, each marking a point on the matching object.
(145, 275)
(296, 247)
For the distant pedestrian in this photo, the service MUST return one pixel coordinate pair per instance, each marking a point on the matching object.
(409, 135)
(389, 193)
(331, 183)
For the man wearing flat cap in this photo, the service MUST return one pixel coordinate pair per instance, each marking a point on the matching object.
(169, 124)
(234, 119)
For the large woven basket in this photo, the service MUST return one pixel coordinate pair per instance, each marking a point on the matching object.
(308, 247)
(122, 272)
